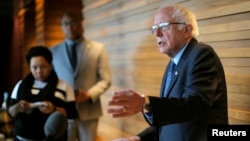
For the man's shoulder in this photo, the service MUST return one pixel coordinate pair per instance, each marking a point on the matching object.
(199, 45)
(57, 46)
(93, 43)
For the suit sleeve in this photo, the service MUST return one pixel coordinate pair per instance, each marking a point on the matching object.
(104, 76)
(148, 134)
(194, 93)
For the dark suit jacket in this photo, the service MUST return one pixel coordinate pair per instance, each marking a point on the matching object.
(196, 98)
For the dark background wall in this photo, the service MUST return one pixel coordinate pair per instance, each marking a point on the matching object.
(6, 30)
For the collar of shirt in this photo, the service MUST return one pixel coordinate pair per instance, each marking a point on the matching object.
(71, 42)
(177, 57)
(39, 84)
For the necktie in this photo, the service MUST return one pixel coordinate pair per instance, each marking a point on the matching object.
(170, 72)
(73, 57)
(169, 77)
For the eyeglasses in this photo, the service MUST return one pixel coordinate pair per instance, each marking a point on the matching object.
(162, 26)
(71, 23)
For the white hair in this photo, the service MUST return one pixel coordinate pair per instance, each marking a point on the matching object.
(183, 15)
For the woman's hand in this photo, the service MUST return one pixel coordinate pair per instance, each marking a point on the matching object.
(23, 106)
(47, 107)
(61, 110)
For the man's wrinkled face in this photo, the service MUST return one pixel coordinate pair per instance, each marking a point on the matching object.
(169, 38)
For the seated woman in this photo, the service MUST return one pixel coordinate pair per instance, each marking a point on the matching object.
(41, 102)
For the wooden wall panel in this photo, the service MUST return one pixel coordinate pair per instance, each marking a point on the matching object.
(123, 27)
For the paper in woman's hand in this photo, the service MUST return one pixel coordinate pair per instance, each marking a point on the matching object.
(37, 104)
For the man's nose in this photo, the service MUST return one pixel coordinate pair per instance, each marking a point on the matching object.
(158, 32)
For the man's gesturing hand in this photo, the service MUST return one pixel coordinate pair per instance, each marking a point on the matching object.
(126, 102)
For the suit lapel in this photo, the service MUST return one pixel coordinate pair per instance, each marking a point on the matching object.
(68, 63)
(164, 81)
(173, 80)
(178, 66)
(82, 56)
(65, 52)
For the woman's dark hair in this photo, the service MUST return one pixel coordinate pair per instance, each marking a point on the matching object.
(39, 51)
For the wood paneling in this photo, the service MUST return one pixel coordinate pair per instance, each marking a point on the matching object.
(123, 26)
(48, 19)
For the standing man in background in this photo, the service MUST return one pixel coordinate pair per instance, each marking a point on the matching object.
(193, 93)
(84, 64)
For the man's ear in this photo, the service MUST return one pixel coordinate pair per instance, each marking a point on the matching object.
(188, 30)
